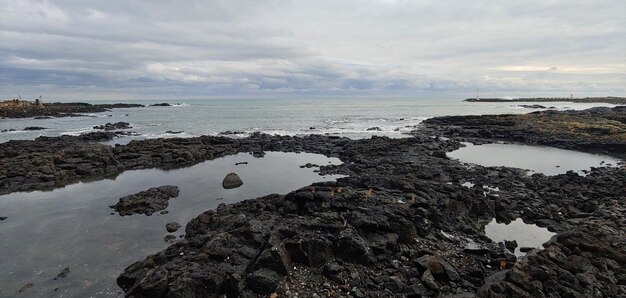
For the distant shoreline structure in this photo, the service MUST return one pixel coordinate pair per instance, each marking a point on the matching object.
(605, 99)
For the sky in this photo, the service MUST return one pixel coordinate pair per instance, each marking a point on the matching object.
(132, 49)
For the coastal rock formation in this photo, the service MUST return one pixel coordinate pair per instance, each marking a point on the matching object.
(146, 202)
(164, 104)
(113, 126)
(25, 109)
(47, 162)
(405, 221)
(401, 223)
(231, 180)
(34, 128)
(600, 130)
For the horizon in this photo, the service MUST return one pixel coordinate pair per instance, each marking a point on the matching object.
(116, 50)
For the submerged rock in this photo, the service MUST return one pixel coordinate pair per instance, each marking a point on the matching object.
(26, 287)
(63, 273)
(231, 180)
(146, 202)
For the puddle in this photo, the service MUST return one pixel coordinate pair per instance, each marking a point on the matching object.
(72, 226)
(526, 235)
(537, 159)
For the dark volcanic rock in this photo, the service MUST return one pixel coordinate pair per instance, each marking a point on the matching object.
(113, 126)
(595, 130)
(231, 180)
(535, 106)
(146, 202)
(172, 227)
(164, 104)
(399, 223)
(34, 128)
(3, 218)
(58, 109)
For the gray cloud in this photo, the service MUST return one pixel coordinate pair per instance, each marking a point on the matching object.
(142, 49)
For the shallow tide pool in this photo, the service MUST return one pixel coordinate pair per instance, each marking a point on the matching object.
(47, 231)
(536, 159)
(526, 235)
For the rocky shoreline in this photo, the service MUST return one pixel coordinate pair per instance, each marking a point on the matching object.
(58, 109)
(605, 99)
(400, 224)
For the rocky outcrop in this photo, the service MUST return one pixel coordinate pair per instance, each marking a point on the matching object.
(113, 126)
(598, 130)
(59, 109)
(146, 202)
(47, 162)
(400, 224)
(34, 128)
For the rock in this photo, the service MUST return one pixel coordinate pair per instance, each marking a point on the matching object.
(169, 238)
(429, 280)
(174, 132)
(3, 218)
(263, 281)
(164, 104)
(57, 109)
(241, 163)
(113, 126)
(535, 106)
(63, 273)
(34, 128)
(510, 245)
(172, 227)
(146, 202)
(526, 249)
(231, 180)
(375, 128)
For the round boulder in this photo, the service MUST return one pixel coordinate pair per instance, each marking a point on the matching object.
(231, 180)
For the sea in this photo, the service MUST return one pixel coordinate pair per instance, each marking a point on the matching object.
(347, 117)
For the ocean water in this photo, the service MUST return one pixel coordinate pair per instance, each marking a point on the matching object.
(344, 117)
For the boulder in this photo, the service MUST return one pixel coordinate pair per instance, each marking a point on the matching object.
(172, 227)
(231, 180)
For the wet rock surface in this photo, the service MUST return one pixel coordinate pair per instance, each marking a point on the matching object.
(113, 126)
(172, 227)
(147, 202)
(34, 128)
(406, 221)
(231, 180)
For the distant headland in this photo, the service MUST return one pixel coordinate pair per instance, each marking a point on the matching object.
(18, 108)
(605, 99)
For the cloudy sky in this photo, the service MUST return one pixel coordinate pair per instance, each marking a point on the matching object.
(125, 49)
